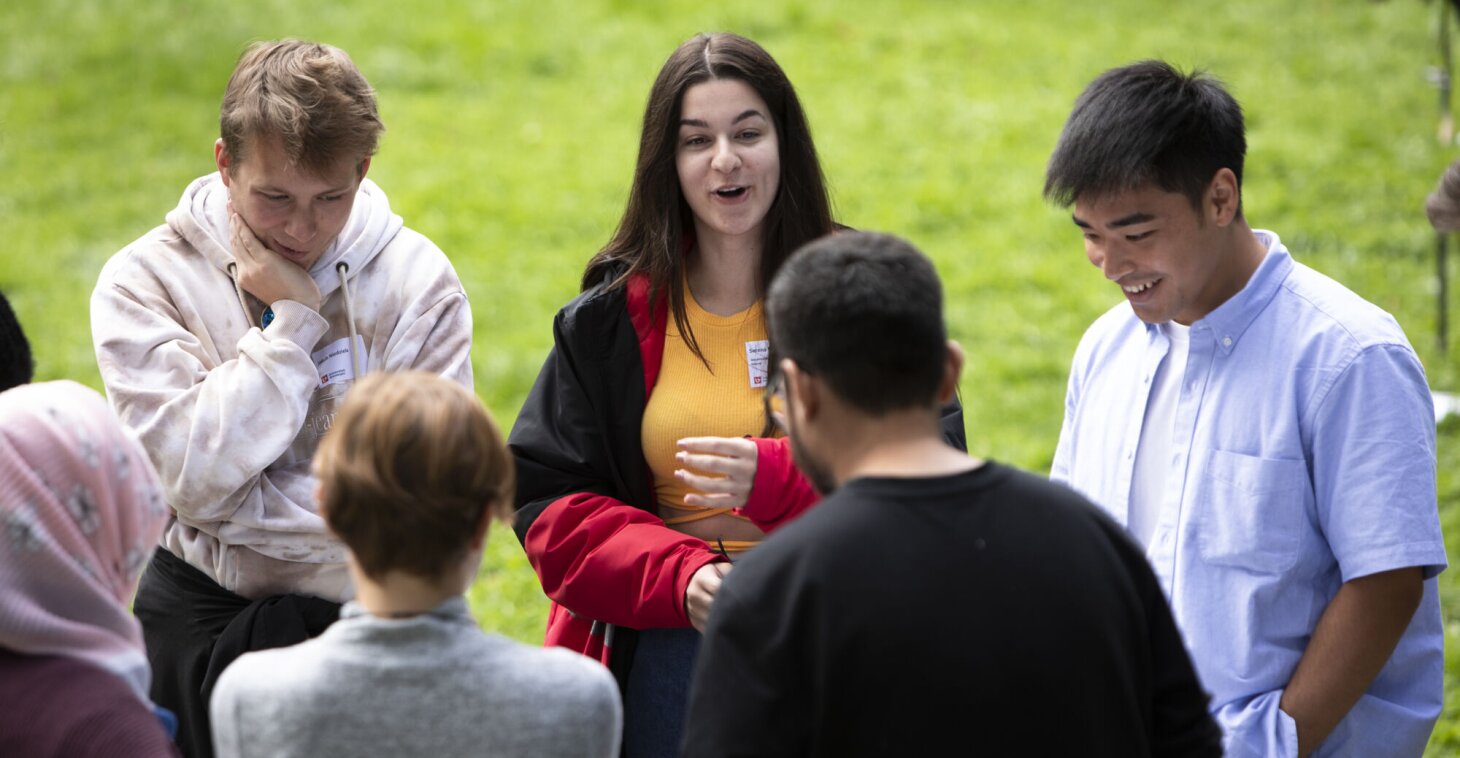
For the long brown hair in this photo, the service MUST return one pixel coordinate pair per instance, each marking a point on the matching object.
(652, 234)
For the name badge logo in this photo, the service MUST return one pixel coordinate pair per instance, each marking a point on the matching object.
(758, 360)
(334, 363)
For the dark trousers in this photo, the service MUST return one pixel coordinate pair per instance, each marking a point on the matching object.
(657, 695)
(194, 628)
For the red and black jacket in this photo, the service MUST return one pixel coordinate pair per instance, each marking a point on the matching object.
(585, 495)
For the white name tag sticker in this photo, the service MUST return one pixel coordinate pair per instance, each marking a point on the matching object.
(758, 360)
(333, 361)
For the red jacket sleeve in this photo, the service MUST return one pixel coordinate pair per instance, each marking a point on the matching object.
(612, 562)
(780, 491)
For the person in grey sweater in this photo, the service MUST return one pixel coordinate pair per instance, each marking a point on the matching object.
(409, 478)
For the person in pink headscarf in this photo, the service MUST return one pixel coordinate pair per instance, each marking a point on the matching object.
(80, 513)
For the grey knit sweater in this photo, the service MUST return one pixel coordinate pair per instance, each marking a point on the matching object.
(429, 685)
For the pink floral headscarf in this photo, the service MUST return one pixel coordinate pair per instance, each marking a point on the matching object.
(80, 512)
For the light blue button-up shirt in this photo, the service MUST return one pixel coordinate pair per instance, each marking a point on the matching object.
(1303, 456)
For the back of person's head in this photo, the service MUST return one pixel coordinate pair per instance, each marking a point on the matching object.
(17, 367)
(408, 472)
(1147, 124)
(863, 312)
(81, 510)
(658, 219)
(309, 96)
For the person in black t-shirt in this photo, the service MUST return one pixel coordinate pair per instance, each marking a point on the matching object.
(932, 602)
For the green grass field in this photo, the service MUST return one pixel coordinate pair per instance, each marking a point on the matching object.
(513, 128)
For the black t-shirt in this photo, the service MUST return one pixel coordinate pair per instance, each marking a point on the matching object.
(985, 613)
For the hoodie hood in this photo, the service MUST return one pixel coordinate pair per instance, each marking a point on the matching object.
(201, 217)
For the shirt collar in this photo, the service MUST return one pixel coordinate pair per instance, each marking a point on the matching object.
(453, 607)
(1230, 320)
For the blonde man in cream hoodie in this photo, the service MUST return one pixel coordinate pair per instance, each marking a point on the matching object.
(227, 338)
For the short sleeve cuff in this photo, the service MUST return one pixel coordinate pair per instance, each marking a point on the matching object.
(1376, 560)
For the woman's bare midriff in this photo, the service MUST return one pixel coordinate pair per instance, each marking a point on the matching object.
(721, 526)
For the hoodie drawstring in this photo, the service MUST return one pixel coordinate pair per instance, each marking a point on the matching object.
(342, 269)
(237, 290)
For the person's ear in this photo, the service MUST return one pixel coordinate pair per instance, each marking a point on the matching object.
(1223, 198)
(364, 167)
(952, 371)
(803, 393)
(223, 160)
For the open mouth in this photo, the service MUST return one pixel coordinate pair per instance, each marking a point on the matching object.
(730, 193)
(1138, 289)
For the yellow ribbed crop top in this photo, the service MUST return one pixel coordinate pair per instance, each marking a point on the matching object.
(689, 399)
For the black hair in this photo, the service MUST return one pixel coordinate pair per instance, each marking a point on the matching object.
(1147, 123)
(864, 312)
(16, 365)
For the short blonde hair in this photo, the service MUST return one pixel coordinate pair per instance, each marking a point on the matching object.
(309, 96)
(410, 468)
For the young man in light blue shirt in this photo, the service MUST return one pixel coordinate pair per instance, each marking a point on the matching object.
(1266, 433)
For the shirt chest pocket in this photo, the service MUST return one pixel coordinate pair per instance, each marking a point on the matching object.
(1251, 511)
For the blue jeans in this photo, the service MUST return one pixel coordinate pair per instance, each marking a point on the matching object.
(657, 693)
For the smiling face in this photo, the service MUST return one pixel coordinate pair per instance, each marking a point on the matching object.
(293, 212)
(1172, 262)
(728, 158)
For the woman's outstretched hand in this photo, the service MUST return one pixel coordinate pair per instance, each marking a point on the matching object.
(721, 469)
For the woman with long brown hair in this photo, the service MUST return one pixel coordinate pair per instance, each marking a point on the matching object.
(644, 451)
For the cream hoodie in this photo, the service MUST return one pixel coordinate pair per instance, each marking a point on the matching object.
(231, 413)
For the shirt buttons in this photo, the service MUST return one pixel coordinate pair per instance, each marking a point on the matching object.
(1226, 342)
